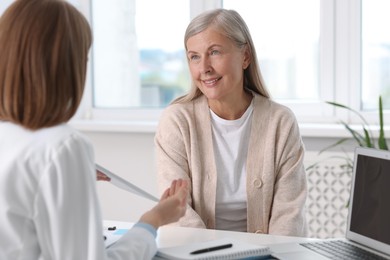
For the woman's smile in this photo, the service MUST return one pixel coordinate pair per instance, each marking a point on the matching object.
(211, 82)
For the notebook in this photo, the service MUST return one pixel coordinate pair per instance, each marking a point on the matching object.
(368, 224)
(228, 249)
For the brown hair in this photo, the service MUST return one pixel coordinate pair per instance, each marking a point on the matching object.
(230, 24)
(43, 62)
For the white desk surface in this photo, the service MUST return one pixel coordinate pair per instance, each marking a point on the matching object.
(173, 236)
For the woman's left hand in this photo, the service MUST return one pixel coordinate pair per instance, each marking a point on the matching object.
(101, 176)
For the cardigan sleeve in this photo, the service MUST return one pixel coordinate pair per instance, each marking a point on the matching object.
(172, 145)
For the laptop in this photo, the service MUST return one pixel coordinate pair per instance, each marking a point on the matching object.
(368, 226)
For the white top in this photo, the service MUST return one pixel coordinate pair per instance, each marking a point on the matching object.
(231, 141)
(49, 207)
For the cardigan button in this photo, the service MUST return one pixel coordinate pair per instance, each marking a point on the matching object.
(257, 183)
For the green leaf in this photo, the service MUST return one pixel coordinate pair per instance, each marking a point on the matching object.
(365, 124)
(367, 138)
(350, 109)
(312, 166)
(381, 140)
(356, 135)
(333, 145)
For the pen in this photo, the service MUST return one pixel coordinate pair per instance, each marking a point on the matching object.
(215, 248)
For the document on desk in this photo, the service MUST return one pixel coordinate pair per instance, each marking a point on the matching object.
(123, 184)
(225, 248)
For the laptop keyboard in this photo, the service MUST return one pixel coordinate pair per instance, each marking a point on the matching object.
(337, 249)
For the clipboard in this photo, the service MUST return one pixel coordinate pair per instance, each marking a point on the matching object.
(125, 185)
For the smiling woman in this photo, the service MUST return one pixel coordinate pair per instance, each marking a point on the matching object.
(216, 66)
(241, 152)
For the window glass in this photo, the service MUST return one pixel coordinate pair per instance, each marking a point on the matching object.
(138, 52)
(286, 35)
(375, 53)
(4, 4)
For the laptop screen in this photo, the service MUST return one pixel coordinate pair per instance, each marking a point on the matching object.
(369, 221)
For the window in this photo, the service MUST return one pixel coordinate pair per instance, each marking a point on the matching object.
(310, 51)
(287, 39)
(138, 53)
(139, 63)
(288, 44)
(375, 53)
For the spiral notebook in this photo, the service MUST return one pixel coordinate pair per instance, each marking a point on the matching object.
(230, 249)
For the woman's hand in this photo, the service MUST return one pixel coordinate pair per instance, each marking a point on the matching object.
(101, 176)
(171, 207)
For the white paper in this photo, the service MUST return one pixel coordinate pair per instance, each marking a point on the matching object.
(123, 184)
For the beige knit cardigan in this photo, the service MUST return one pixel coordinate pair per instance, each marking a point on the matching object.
(276, 180)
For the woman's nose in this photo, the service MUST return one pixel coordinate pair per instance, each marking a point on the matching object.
(205, 66)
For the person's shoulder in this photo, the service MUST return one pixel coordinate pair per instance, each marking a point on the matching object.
(41, 137)
(62, 136)
(42, 146)
(178, 108)
(181, 117)
(184, 110)
(62, 131)
(260, 100)
(182, 107)
(277, 110)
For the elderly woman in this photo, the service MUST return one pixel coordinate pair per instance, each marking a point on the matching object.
(240, 151)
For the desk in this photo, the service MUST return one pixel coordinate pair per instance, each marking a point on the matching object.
(168, 236)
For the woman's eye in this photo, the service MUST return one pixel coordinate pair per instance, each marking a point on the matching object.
(194, 57)
(214, 52)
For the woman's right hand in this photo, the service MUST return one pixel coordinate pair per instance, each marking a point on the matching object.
(171, 207)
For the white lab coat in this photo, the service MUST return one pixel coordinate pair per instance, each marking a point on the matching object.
(49, 207)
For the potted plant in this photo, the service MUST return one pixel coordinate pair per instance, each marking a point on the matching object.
(364, 138)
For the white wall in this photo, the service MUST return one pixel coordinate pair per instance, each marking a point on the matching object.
(130, 155)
